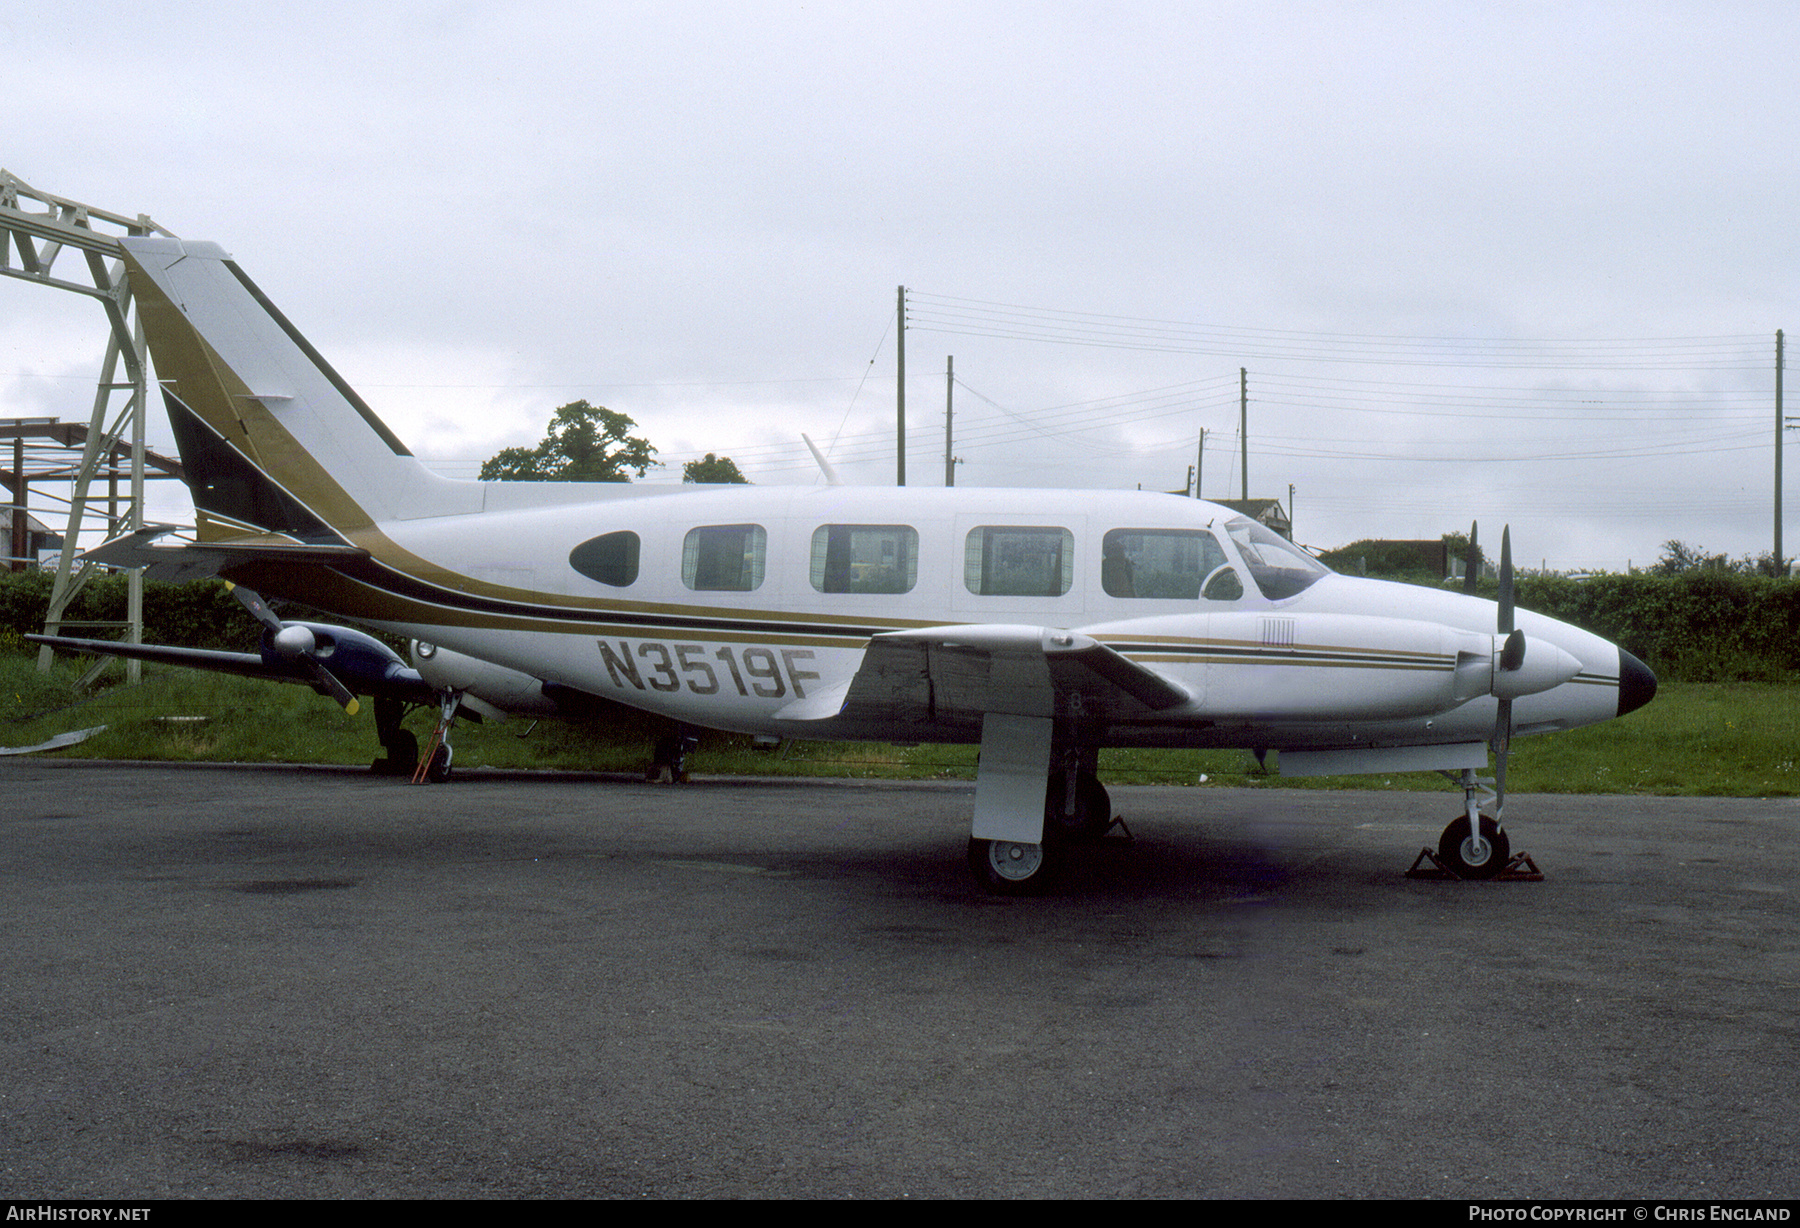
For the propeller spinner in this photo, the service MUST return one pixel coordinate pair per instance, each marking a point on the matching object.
(296, 643)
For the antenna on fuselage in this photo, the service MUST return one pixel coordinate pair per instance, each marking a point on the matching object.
(831, 477)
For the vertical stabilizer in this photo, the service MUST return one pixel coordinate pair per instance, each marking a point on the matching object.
(273, 439)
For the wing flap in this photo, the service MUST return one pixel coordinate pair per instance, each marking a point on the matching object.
(960, 674)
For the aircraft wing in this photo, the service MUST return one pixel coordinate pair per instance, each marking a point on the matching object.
(963, 673)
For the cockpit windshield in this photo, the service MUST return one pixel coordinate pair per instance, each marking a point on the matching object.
(1279, 567)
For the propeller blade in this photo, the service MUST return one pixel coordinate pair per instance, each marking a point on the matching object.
(298, 644)
(1502, 745)
(1512, 655)
(1472, 562)
(1506, 581)
(337, 690)
(259, 609)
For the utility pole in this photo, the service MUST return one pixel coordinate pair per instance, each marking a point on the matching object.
(1200, 462)
(949, 394)
(1244, 427)
(1780, 564)
(900, 397)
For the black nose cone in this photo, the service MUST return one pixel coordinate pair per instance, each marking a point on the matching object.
(1637, 685)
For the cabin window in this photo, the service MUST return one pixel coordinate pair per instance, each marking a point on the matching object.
(865, 558)
(724, 558)
(1019, 561)
(611, 559)
(1160, 563)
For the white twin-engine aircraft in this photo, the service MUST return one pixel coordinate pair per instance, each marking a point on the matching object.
(1043, 624)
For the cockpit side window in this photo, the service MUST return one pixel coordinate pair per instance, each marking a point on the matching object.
(1223, 585)
(1279, 567)
(1160, 563)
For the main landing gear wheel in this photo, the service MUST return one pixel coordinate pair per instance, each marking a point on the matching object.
(1469, 858)
(668, 761)
(402, 747)
(1092, 817)
(402, 755)
(1007, 867)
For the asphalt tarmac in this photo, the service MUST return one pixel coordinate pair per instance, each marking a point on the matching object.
(223, 981)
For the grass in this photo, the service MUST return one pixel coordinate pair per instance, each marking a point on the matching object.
(1696, 739)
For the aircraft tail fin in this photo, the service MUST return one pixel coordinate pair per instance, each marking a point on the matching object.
(273, 439)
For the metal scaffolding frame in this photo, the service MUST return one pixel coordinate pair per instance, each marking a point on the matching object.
(46, 450)
(36, 228)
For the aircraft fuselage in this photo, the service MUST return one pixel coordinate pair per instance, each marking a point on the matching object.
(750, 609)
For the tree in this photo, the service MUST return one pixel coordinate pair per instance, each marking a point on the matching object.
(713, 469)
(585, 443)
(1765, 564)
(1679, 557)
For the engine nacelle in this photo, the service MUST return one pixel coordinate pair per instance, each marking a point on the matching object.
(1379, 668)
(355, 658)
(496, 691)
(1512, 666)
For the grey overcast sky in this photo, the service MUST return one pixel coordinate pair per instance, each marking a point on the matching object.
(1520, 262)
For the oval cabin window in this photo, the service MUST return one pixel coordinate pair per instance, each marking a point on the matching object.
(611, 559)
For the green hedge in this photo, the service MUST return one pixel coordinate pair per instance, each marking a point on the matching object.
(1698, 626)
(199, 615)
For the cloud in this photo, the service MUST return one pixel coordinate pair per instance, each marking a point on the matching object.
(698, 214)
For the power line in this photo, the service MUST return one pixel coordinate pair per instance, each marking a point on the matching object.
(972, 317)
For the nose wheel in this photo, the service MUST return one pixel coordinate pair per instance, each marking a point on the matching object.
(1469, 852)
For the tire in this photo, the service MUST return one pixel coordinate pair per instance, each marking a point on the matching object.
(1003, 867)
(1454, 852)
(1093, 809)
(402, 756)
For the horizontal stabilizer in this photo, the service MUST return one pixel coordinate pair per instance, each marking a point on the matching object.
(356, 660)
(179, 564)
(243, 664)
